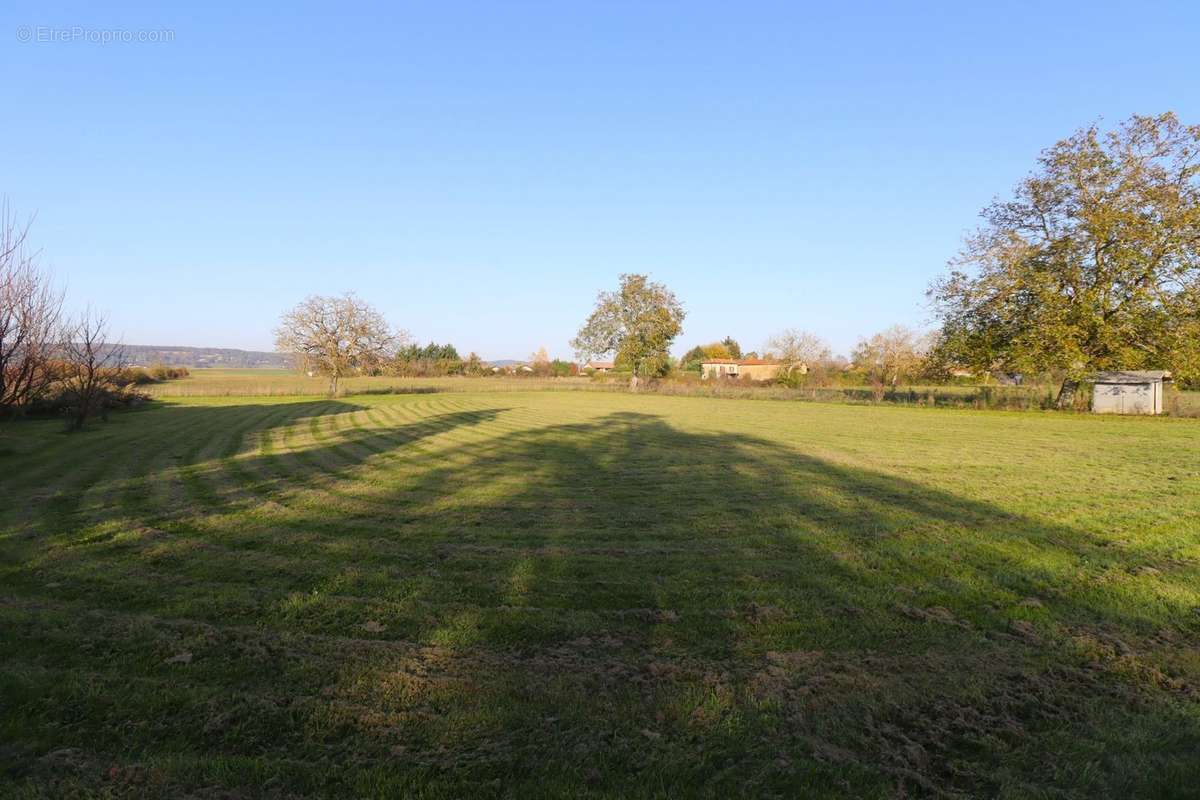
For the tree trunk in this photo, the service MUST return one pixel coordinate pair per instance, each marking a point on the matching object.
(333, 382)
(1066, 394)
(633, 382)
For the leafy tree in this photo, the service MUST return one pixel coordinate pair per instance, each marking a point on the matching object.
(432, 359)
(692, 359)
(335, 336)
(1093, 264)
(732, 347)
(637, 322)
(431, 352)
(563, 369)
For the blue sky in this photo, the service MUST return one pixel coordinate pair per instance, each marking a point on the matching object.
(479, 171)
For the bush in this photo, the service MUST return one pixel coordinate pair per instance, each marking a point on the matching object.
(141, 376)
(161, 372)
(59, 402)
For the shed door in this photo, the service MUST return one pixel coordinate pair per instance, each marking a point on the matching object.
(1137, 399)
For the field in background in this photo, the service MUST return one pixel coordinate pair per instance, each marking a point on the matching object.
(574, 594)
(285, 383)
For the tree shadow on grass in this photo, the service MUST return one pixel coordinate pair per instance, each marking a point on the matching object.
(621, 607)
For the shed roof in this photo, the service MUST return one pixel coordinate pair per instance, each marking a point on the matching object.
(1132, 376)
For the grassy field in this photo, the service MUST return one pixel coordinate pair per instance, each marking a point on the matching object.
(286, 383)
(572, 594)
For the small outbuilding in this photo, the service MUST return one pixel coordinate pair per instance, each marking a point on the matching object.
(1129, 392)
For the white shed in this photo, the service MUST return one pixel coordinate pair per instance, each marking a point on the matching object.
(1131, 392)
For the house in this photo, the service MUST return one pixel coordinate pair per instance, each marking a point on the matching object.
(598, 366)
(757, 369)
(1129, 392)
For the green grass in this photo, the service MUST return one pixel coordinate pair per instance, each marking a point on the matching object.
(288, 383)
(572, 594)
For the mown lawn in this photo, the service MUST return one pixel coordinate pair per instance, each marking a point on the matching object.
(572, 594)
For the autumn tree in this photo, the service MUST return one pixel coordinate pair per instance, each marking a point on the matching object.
(539, 362)
(637, 323)
(1093, 264)
(473, 365)
(717, 350)
(890, 356)
(713, 351)
(336, 336)
(30, 313)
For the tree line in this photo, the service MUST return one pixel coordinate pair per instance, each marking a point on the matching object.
(344, 336)
(1093, 264)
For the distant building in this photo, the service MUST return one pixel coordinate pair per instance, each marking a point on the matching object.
(599, 366)
(758, 369)
(1129, 392)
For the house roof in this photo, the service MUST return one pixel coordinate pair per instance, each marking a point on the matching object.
(741, 362)
(598, 365)
(1132, 376)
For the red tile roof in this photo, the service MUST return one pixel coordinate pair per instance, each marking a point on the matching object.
(742, 362)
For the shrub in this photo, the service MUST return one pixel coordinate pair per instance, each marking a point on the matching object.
(58, 401)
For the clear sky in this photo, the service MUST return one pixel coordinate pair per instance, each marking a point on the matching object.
(479, 171)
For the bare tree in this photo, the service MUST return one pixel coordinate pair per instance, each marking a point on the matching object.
(30, 310)
(89, 363)
(336, 336)
(794, 346)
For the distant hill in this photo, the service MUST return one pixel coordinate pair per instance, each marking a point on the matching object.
(145, 355)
